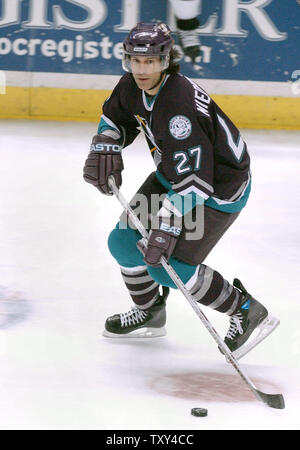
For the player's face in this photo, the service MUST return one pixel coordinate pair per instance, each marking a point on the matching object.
(146, 71)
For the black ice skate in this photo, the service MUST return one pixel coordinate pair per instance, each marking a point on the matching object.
(251, 316)
(138, 323)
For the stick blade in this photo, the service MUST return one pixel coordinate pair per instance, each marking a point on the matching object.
(273, 400)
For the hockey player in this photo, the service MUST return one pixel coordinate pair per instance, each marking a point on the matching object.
(201, 157)
(186, 13)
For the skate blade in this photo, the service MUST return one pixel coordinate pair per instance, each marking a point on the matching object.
(142, 333)
(266, 327)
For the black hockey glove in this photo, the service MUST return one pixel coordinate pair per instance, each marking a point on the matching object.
(161, 243)
(104, 159)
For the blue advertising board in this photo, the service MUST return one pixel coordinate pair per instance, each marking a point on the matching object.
(241, 40)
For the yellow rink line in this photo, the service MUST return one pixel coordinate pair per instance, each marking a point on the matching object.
(85, 105)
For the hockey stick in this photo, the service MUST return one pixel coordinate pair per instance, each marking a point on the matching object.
(272, 400)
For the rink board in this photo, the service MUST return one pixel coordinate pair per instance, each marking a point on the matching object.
(53, 52)
(85, 105)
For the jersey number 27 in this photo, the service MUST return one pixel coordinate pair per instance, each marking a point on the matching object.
(188, 161)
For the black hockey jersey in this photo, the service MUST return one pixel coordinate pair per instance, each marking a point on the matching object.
(195, 146)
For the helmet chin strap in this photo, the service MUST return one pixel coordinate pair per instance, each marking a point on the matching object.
(158, 82)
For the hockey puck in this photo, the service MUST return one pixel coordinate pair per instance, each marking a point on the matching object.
(199, 412)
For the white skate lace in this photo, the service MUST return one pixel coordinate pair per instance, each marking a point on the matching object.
(235, 326)
(189, 38)
(132, 317)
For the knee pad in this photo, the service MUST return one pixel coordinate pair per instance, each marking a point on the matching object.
(122, 246)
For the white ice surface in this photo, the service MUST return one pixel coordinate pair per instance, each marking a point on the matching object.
(57, 372)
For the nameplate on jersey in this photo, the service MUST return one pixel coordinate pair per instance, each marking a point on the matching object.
(202, 99)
